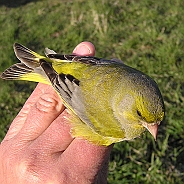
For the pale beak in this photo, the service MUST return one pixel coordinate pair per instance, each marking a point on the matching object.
(152, 128)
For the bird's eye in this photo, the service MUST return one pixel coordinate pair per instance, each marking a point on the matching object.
(139, 113)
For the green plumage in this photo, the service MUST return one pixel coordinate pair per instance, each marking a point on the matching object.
(108, 100)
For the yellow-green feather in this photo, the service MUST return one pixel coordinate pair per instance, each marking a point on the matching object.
(35, 77)
(111, 95)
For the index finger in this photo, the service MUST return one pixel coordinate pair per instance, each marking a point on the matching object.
(20, 119)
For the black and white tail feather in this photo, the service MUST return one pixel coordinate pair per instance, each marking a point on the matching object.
(39, 68)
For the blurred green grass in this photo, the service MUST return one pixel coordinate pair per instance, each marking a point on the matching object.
(145, 34)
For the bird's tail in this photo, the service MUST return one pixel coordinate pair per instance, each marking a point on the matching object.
(29, 69)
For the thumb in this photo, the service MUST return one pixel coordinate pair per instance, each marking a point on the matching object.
(84, 49)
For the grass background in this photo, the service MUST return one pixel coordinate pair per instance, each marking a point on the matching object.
(145, 34)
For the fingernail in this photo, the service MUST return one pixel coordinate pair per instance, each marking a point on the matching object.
(82, 50)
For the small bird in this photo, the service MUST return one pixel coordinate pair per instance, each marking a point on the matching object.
(108, 101)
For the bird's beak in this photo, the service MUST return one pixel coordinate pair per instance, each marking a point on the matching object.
(152, 128)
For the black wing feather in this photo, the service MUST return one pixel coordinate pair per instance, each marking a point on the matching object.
(84, 59)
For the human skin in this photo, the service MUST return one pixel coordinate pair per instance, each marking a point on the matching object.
(38, 148)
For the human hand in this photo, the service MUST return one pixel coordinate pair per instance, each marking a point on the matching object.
(39, 148)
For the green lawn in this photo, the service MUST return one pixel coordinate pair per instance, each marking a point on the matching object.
(145, 34)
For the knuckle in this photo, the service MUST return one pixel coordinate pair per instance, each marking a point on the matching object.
(47, 103)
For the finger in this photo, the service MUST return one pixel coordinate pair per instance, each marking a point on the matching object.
(59, 131)
(46, 109)
(19, 121)
(84, 49)
(57, 137)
